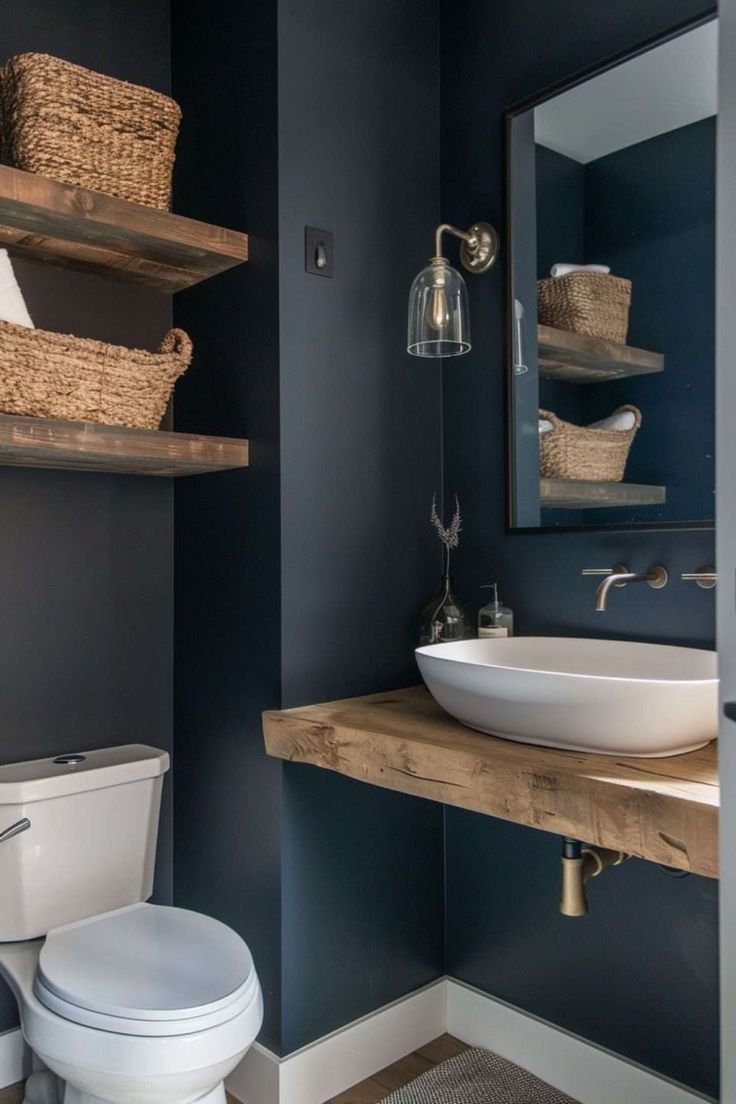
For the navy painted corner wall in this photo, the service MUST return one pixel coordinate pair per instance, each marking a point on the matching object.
(86, 559)
(292, 577)
(362, 914)
(227, 860)
(516, 925)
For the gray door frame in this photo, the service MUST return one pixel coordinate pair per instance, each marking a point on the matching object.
(726, 529)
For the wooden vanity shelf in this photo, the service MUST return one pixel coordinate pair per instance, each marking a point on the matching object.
(581, 359)
(44, 220)
(578, 494)
(664, 810)
(84, 446)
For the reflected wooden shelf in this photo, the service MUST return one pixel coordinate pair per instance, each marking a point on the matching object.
(665, 810)
(581, 359)
(577, 494)
(43, 220)
(84, 446)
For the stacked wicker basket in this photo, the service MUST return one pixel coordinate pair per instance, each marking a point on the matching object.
(595, 304)
(95, 132)
(570, 451)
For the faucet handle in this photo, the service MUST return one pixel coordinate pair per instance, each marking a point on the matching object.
(705, 577)
(617, 569)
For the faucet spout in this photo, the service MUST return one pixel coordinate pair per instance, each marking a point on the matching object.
(617, 579)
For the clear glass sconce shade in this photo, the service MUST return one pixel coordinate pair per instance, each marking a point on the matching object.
(439, 320)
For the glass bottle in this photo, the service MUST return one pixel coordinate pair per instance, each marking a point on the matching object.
(444, 618)
(493, 618)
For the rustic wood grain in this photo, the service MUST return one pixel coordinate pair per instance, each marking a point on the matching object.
(400, 1073)
(581, 359)
(43, 443)
(665, 810)
(578, 494)
(44, 220)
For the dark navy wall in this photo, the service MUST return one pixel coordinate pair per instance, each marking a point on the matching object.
(299, 579)
(361, 456)
(228, 825)
(85, 651)
(560, 209)
(645, 934)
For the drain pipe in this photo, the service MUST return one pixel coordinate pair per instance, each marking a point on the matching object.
(578, 865)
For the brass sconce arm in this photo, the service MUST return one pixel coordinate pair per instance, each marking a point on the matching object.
(479, 248)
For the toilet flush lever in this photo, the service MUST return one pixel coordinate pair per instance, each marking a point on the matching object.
(14, 829)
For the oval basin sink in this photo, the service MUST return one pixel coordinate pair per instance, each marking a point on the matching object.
(612, 697)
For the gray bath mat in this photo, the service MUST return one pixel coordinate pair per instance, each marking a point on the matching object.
(477, 1077)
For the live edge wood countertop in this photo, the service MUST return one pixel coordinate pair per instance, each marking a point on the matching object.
(665, 810)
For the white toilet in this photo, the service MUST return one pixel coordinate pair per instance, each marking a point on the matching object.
(120, 1001)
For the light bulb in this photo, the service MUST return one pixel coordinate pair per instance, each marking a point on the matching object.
(440, 313)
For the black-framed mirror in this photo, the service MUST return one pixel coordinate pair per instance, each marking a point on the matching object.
(611, 293)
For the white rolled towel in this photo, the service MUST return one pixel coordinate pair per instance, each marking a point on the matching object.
(566, 269)
(621, 419)
(12, 304)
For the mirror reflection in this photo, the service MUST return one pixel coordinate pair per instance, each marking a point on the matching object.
(612, 295)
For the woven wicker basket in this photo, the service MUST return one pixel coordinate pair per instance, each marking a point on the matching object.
(569, 451)
(586, 303)
(52, 375)
(89, 130)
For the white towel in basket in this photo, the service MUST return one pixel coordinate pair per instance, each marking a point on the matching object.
(566, 269)
(12, 304)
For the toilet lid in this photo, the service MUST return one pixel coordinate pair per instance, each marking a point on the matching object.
(146, 962)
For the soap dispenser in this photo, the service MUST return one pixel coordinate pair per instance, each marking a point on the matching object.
(493, 618)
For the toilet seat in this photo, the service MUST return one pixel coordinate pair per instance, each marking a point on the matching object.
(146, 970)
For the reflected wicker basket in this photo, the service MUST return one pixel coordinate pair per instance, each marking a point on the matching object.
(52, 375)
(569, 451)
(586, 303)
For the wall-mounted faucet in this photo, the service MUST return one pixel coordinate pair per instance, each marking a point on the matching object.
(619, 575)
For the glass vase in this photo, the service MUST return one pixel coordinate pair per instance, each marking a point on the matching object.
(444, 618)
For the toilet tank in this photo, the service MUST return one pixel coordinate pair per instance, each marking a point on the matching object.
(77, 836)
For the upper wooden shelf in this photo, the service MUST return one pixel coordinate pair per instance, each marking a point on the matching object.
(665, 810)
(43, 220)
(581, 494)
(42, 443)
(580, 359)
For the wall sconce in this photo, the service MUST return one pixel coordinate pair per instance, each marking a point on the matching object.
(439, 321)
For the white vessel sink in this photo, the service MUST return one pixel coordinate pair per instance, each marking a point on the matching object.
(612, 697)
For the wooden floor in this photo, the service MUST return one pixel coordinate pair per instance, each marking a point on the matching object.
(400, 1073)
(13, 1094)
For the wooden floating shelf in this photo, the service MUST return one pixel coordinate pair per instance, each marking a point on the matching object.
(665, 810)
(43, 220)
(578, 494)
(581, 359)
(85, 446)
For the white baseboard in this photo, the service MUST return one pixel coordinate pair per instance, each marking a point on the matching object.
(15, 1058)
(331, 1065)
(340, 1060)
(586, 1072)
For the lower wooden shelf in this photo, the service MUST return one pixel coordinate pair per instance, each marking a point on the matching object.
(665, 810)
(578, 494)
(43, 443)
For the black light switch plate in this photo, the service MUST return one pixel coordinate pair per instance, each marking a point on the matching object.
(320, 252)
